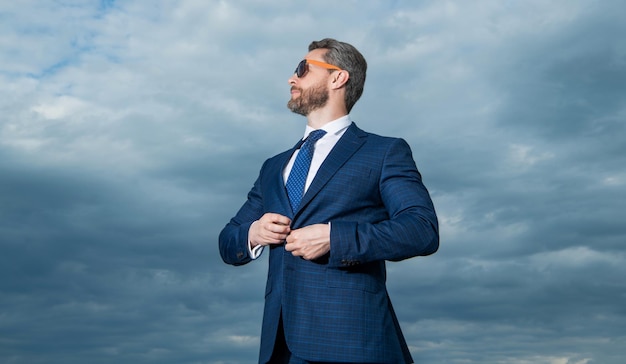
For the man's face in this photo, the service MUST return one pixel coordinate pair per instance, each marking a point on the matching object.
(303, 101)
(309, 92)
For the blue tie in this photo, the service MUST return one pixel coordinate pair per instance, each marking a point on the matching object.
(300, 170)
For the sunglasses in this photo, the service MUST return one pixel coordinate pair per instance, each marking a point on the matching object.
(302, 66)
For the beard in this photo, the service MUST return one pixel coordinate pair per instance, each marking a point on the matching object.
(310, 99)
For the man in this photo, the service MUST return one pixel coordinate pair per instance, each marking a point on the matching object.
(331, 211)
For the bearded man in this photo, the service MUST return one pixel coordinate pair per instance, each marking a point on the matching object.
(331, 211)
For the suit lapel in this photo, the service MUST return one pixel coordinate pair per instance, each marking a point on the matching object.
(349, 143)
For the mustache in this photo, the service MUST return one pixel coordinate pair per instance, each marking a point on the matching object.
(296, 88)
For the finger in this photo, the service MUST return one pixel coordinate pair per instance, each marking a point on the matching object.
(290, 238)
(280, 229)
(279, 219)
(291, 247)
(272, 228)
(276, 238)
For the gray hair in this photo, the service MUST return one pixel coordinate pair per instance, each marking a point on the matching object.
(346, 57)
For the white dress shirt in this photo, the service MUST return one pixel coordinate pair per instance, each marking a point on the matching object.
(334, 131)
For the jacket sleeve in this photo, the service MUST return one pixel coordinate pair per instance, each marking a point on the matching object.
(411, 229)
(233, 240)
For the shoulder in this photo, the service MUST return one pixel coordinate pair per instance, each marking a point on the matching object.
(279, 160)
(376, 140)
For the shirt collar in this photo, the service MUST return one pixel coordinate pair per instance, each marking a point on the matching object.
(333, 127)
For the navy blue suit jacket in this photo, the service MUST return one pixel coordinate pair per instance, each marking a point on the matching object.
(336, 308)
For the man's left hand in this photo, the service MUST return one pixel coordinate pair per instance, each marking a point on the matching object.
(309, 242)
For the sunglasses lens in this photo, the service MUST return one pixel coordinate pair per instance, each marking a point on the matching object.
(301, 69)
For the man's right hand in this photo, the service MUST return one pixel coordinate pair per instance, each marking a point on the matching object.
(271, 228)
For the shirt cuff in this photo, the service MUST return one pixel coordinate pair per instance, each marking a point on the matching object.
(256, 251)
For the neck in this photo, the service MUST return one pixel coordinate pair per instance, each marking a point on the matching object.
(320, 117)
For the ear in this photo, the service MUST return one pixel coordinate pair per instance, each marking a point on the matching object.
(339, 79)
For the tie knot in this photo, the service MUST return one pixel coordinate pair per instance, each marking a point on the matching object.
(315, 135)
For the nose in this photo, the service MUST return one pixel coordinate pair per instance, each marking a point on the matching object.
(293, 79)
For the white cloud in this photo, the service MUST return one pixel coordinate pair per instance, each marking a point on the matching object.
(576, 257)
(131, 131)
(525, 156)
(60, 107)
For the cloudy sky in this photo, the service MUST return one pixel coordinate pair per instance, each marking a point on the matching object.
(131, 131)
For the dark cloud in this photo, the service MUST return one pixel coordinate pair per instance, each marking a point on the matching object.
(131, 133)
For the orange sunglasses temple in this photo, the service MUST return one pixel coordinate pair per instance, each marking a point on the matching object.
(322, 64)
